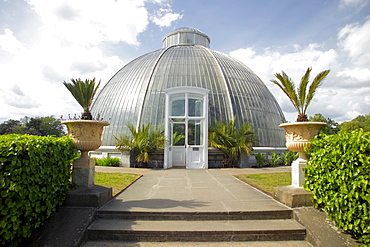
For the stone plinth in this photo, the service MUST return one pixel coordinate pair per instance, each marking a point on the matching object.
(293, 196)
(95, 196)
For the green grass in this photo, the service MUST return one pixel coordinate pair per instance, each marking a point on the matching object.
(118, 181)
(267, 181)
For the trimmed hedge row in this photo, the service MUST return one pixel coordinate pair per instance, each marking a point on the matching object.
(35, 174)
(338, 174)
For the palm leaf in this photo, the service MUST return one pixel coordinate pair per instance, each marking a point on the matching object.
(287, 85)
(302, 90)
(83, 91)
(303, 99)
(316, 83)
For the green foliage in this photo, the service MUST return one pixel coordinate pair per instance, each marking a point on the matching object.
(83, 92)
(331, 128)
(143, 142)
(35, 175)
(289, 157)
(362, 122)
(42, 126)
(231, 139)
(108, 162)
(300, 98)
(261, 160)
(338, 175)
(275, 158)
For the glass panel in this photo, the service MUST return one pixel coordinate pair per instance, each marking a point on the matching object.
(195, 132)
(178, 120)
(178, 134)
(195, 107)
(178, 107)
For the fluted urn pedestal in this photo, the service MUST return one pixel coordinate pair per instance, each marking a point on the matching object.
(298, 135)
(86, 135)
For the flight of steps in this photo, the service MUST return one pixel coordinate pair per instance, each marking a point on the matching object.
(155, 226)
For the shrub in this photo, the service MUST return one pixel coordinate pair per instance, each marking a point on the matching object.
(338, 175)
(260, 159)
(108, 162)
(289, 157)
(35, 175)
(275, 158)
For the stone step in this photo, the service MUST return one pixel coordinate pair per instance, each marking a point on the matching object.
(198, 244)
(196, 231)
(195, 216)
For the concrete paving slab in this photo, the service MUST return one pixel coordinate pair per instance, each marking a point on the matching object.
(191, 191)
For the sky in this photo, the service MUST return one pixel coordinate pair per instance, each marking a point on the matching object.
(46, 42)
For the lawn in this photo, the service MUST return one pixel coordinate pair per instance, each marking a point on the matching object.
(267, 181)
(118, 181)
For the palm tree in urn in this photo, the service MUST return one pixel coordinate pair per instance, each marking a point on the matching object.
(302, 96)
(83, 92)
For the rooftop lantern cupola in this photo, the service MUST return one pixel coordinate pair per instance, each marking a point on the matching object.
(186, 36)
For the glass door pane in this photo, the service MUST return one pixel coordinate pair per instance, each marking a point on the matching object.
(195, 107)
(178, 107)
(195, 132)
(178, 134)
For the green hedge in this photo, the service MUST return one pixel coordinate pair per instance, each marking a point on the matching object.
(35, 175)
(338, 174)
(108, 162)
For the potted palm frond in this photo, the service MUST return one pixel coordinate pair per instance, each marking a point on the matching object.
(86, 133)
(142, 142)
(83, 92)
(234, 142)
(300, 133)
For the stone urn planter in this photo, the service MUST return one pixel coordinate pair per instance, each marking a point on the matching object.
(298, 135)
(86, 135)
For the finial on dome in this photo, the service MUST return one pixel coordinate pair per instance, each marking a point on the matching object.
(186, 36)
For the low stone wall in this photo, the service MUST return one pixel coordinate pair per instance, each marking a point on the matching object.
(215, 157)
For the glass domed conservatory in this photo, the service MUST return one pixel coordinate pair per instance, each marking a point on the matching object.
(184, 88)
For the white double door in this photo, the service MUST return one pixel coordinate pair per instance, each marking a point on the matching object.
(188, 151)
(187, 130)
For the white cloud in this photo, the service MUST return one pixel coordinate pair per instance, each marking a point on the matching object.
(9, 43)
(353, 3)
(356, 77)
(92, 23)
(165, 17)
(266, 63)
(355, 39)
(69, 42)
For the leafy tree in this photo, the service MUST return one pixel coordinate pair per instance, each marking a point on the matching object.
(143, 142)
(51, 126)
(360, 122)
(42, 126)
(302, 96)
(9, 127)
(330, 129)
(231, 140)
(83, 92)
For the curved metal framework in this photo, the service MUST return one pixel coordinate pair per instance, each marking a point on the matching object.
(135, 94)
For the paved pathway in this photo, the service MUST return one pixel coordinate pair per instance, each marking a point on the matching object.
(191, 191)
